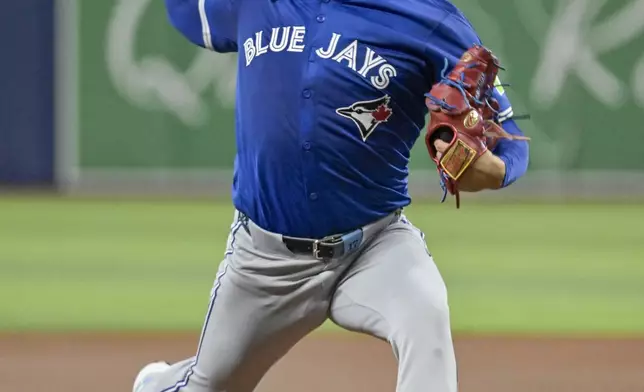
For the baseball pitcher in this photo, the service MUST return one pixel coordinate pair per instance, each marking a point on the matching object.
(331, 97)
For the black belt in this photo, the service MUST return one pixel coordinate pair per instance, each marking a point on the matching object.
(327, 247)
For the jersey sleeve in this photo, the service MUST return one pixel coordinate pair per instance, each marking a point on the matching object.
(505, 108)
(449, 40)
(211, 24)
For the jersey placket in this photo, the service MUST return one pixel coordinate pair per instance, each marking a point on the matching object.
(309, 120)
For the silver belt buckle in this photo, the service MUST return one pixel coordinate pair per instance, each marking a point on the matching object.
(316, 250)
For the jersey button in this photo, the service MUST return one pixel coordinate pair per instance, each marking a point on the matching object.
(306, 146)
(321, 18)
(306, 93)
(313, 196)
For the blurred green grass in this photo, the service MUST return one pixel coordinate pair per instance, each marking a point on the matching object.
(80, 264)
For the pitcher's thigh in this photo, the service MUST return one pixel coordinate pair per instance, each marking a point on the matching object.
(243, 336)
(395, 292)
(249, 325)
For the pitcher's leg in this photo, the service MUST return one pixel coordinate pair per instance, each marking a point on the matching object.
(252, 320)
(395, 292)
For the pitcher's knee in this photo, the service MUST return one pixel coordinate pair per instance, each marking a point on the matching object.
(423, 323)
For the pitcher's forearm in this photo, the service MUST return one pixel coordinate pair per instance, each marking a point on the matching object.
(488, 172)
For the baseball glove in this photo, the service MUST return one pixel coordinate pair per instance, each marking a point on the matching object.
(464, 114)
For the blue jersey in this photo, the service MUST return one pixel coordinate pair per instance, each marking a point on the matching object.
(330, 101)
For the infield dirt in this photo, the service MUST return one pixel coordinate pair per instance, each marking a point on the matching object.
(324, 363)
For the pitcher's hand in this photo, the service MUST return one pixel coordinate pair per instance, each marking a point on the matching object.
(487, 172)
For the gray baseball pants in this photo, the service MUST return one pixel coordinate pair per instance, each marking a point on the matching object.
(265, 299)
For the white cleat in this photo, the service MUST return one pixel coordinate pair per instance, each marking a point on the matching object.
(144, 375)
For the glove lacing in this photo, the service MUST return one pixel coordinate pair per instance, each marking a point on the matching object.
(460, 85)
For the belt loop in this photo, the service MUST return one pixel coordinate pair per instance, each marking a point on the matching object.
(243, 219)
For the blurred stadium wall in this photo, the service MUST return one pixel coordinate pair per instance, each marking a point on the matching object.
(140, 110)
(26, 93)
